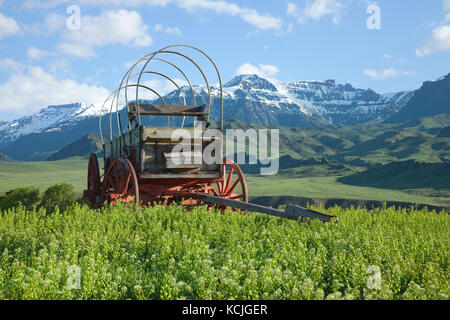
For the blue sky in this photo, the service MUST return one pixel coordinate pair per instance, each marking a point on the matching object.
(43, 62)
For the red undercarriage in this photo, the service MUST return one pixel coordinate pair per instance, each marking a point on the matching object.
(122, 184)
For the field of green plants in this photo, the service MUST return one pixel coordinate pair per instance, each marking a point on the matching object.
(124, 252)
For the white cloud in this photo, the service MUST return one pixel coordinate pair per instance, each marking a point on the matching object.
(251, 16)
(52, 23)
(45, 4)
(386, 73)
(38, 4)
(130, 3)
(263, 70)
(447, 18)
(129, 64)
(174, 30)
(36, 54)
(387, 56)
(290, 27)
(169, 30)
(446, 5)
(8, 26)
(10, 65)
(32, 88)
(292, 9)
(110, 27)
(76, 49)
(440, 37)
(316, 10)
(59, 66)
(439, 42)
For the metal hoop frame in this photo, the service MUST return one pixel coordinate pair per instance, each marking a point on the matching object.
(145, 60)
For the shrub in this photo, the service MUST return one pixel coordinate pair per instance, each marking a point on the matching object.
(28, 197)
(59, 195)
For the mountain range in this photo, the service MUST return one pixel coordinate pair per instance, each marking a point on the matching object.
(248, 98)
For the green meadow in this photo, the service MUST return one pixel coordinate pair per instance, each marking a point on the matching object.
(43, 174)
(309, 182)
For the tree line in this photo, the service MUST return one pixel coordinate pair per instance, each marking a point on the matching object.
(59, 196)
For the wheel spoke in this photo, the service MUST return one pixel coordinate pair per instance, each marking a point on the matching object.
(219, 185)
(120, 182)
(226, 186)
(112, 181)
(230, 190)
(230, 175)
(224, 171)
(116, 172)
(127, 183)
(122, 179)
(128, 194)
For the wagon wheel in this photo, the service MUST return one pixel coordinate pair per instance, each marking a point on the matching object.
(230, 186)
(93, 180)
(120, 183)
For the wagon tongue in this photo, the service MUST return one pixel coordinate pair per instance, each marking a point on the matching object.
(292, 212)
(295, 212)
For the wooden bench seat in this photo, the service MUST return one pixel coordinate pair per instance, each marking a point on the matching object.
(167, 110)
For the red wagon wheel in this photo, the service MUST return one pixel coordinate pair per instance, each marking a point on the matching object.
(120, 182)
(230, 186)
(93, 180)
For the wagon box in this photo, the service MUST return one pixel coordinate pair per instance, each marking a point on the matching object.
(152, 148)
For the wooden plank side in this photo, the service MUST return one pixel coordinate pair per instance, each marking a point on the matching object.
(177, 175)
(155, 109)
(152, 132)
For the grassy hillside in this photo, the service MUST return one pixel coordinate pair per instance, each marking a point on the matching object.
(44, 174)
(383, 143)
(403, 175)
(445, 132)
(87, 144)
(366, 144)
(167, 253)
(328, 187)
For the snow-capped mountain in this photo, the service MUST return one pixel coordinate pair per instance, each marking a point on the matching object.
(52, 118)
(39, 135)
(344, 104)
(248, 98)
(253, 99)
(299, 103)
(431, 99)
